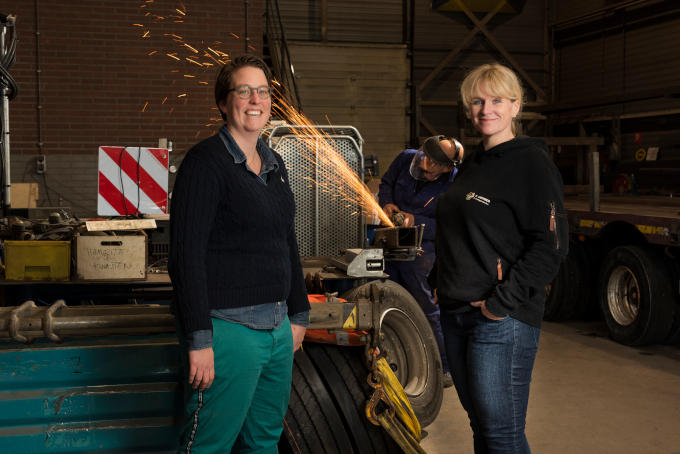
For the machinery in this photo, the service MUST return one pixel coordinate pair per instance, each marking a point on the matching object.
(95, 365)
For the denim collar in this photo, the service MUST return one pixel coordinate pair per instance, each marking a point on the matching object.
(269, 162)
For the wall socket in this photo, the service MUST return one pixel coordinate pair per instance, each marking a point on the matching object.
(40, 164)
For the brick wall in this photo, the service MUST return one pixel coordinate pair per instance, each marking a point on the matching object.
(96, 78)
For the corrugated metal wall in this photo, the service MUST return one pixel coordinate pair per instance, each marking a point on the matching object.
(576, 8)
(364, 86)
(377, 21)
(628, 66)
(619, 61)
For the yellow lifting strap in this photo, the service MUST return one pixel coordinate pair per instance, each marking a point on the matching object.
(399, 434)
(404, 428)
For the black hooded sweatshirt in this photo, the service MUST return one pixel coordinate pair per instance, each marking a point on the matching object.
(501, 231)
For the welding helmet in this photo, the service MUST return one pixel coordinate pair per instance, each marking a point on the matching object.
(432, 149)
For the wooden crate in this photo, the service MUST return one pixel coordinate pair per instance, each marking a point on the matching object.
(111, 257)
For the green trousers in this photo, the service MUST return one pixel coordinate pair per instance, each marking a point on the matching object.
(243, 410)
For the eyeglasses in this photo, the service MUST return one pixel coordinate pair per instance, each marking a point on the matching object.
(246, 91)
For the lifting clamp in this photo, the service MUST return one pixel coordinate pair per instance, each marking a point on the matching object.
(388, 406)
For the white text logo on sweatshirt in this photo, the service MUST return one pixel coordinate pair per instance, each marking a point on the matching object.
(477, 197)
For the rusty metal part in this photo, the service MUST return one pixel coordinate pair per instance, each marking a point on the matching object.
(397, 218)
(48, 321)
(27, 322)
(337, 315)
(378, 396)
(397, 237)
(14, 323)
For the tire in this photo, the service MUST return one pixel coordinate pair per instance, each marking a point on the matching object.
(345, 373)
(590, 260)
(312, 423)
(674, 334)
(636, 296)
(326, 409)
(568, 296)
(409, 346)
(561, 293)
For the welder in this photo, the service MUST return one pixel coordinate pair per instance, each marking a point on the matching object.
(408, 194)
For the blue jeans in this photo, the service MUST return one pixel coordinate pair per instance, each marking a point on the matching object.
(413, 277)
(491, 363)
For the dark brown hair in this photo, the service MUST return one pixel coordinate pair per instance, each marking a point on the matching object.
(223, 82)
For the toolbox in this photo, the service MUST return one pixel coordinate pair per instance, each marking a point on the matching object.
(37, 260)
(111, 257)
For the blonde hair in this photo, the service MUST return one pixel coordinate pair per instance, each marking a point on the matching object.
(498, 80)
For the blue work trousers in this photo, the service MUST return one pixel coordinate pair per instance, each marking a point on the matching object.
(491, 364)
(243, 410)
(412, 276)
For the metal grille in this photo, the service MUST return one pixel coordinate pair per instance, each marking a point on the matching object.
(324, 224)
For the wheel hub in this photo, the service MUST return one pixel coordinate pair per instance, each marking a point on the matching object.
(623, 295)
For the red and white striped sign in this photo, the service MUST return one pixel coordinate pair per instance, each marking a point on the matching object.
(132, 180)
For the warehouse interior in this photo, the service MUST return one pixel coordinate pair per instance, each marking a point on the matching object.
(84, 80)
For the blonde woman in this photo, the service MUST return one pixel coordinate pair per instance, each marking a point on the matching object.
(501, 236)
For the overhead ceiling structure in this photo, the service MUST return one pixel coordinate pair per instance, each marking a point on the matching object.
(472, 10)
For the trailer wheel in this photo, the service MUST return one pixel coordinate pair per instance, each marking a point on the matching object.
(345, 374)
(312, 424)
(325, 413)
(410, 347)
(567, 295)
(636, 296)
(560, 293)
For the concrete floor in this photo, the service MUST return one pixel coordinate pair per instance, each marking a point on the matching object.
(589, 395)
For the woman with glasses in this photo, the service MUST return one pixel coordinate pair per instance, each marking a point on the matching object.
(240, 296)
(501, 236)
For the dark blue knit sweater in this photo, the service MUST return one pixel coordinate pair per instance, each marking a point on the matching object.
(232, 237)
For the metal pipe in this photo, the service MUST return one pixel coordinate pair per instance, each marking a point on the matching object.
(37, 75)
(414, 91)
(317, 230)
(5, 129)
(324, 21)
(594, 178)
(27, 322)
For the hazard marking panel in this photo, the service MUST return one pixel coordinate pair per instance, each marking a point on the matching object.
(132, 180)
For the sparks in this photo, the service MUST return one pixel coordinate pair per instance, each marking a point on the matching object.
(321, 158)
(193, 61)
(190, 48)
(319, 155)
